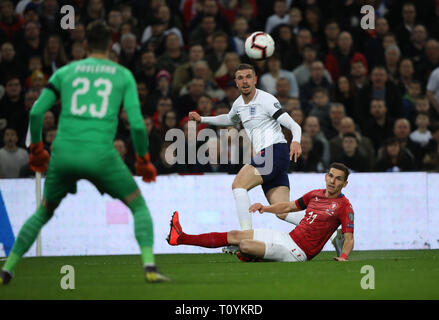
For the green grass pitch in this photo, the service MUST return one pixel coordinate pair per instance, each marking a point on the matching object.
(408, 274)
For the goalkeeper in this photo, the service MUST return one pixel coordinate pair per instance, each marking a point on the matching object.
(91, 92)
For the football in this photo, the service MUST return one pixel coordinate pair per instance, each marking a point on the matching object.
(259, 45)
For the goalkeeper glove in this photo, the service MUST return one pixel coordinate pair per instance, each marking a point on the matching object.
(145, 168)
(39, 157)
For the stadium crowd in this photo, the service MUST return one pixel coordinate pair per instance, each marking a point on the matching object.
(367, 98)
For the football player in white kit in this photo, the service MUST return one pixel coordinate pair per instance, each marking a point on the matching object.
(261, 115)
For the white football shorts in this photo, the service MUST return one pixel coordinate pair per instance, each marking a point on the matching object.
(279, 246)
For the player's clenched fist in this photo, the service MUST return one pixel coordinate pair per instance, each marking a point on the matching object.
(194, 116)
(145, 168)
(256, 207)
(39, 157)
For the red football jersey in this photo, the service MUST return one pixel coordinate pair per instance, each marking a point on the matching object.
(323, 216)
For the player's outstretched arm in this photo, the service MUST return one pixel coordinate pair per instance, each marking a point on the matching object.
(283, 207)
(221, 120)
(347, 247)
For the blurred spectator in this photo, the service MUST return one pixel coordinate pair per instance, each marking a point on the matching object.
(406, 74)
(78, 51)
(226, 72)
(202, 71)
(170, 25)
(216, 56)
(414, 91)
(430, 62)
(32, 44)
(50, 16)
(10, 64)
(184, 72)
(431, 161)
(163, 165)
(129, 52)
(351, 156)
(404, 32)
(336, 113)
(319, 107)
(303, 71)
(286, 47)
(298, 116)
(37, 80)
(210, 8)
(373, 48)
(240, 34)
(232, 93)
(148, 69)
(394, 158)
(121, 147)
(358, 75)
(421, 135)
(153, 138)
(317, 79)
(54, 55)
(155, 41)
(95, 10)
(401, 130)
(312, 20)
(162, 87)
(12, 158)
(339, 62)
(49, 137)
(382, 88)
(269, 79)
(303, 38)
(392, 54)
(279, 16)
(173, 55)
(169, 121)
(164, 104)
(311, 126)
(380, 127)
(206, 28)
(309, 161)
(10, 22)
(295, 19)
(415, 49)
(12, 105)
(365, 146)
(329, 43)
(283, 89)
(114, 21)
(344, 94)
(22, 4)
(204, 109)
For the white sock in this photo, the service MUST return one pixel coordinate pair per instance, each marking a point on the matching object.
(242, 201)
(294, 217)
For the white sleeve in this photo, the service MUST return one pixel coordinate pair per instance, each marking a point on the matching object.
(223, 119)
(288, 122)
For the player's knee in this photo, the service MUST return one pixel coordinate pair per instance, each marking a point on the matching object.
(233, 237)
(245, 246)
(281, 216)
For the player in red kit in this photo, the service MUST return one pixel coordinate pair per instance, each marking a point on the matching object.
(326, 209)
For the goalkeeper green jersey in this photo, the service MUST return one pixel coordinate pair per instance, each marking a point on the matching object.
(91, 92)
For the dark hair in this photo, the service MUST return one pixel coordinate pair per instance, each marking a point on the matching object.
(320, 90)
(340, 166)
(245, 66)
(350, 135)
(98, 36)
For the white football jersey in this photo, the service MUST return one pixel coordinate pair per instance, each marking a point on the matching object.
(257, 118)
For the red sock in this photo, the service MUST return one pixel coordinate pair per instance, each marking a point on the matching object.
(207, 240)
